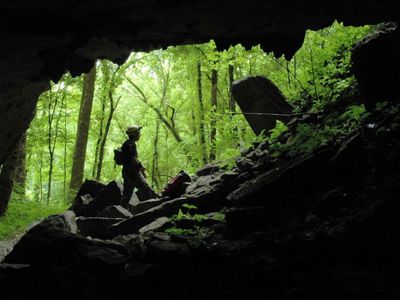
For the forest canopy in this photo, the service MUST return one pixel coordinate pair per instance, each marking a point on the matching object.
(170, 93)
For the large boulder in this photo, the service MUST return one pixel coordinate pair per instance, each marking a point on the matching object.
(147, 204)
(93, 197)
(261, 102)
(96, 226)
(86, 194)
(115, 211)
(133, 224)
(54, 242)
(376, 67)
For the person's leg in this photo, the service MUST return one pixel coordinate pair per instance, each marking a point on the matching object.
(145, 191)
(128, 191)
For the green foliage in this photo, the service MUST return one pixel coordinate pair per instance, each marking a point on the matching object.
(180, 231)
(22, 213)
(305, 138)
(159, 90)
(197, 231)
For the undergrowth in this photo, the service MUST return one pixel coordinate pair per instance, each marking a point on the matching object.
(22, 213)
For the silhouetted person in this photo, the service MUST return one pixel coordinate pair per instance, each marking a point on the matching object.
(133, 170)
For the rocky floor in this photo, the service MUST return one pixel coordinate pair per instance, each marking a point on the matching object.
(323, 225)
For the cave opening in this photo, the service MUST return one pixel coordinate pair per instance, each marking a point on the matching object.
(316, 190)
(160, 91)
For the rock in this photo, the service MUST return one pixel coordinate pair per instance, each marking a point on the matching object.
(134, 243)
(249, 219)
(132, 271)
(146, 205)
(43, 246)
(81, 207)
(6, 247)
(12, 267)
(273, 188)
(258, 95)
(115, 211)
(162, 236)
(88, 191)
(167, 250)
(89, 206)
(96, 226)
(156, 225)
(65, 221)
(110, 195)
(375, 66)
(204, 185)
(133, 224)
(207, 170)
(136, 247)
(124, 239)
(134, 200)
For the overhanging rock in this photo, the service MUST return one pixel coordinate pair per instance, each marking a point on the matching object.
(261, 102)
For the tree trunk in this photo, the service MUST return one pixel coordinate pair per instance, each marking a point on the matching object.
(82, 133)
(52, 134)
(7, 180)
(96, 154)
(154, 167)
(232, 105)
(105, 135)
(20, 168)
(201, 115)
(65, 151)
(213, 125)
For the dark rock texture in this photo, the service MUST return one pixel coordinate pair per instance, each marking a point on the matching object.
(42, 41)
(376, 67)
(93, 197)
(261, 102)
(319, 226)
(115, 211)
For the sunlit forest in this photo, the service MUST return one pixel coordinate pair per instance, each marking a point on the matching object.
(182, 96)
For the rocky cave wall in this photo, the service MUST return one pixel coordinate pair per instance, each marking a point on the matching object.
(40, 41)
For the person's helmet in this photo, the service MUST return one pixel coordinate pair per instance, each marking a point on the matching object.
(133, 129)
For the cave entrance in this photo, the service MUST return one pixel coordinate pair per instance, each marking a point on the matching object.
(182, 98)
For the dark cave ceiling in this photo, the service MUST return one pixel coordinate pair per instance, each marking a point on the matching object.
(41, 40)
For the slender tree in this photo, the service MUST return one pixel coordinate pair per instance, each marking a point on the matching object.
(65, 150)
(100, 136)
(201, 115)
(232, 104)
(213, 123)
(78, 162)
(53, 120)
(113, 107)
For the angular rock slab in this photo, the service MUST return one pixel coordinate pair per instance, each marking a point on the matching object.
(110, 195)
(49, 244)
(146, 205)
(256, 96)
(102, 196)
(86, 194)
(96, 226)
(156, 225)
(375, 66)
(133, 224)
(115, 211)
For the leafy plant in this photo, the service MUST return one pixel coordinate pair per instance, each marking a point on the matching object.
(197, 230)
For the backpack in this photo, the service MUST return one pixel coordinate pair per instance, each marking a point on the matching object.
(177, 185)
(119, 156)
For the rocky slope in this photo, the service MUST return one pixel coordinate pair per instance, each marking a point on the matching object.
(315, 225)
